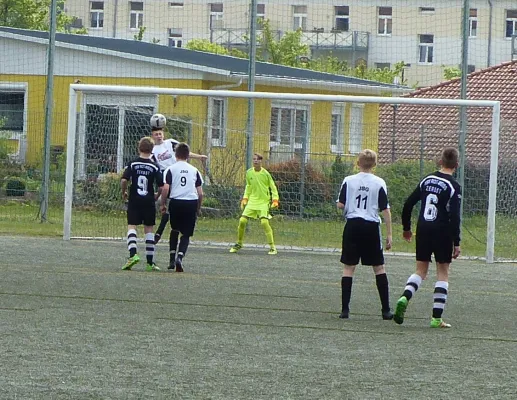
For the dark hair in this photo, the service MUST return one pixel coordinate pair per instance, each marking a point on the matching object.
(182, 151)
(258, 155)
(155, 128)
(450, 157)
(145, 145)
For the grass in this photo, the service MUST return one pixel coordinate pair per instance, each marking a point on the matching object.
(247, 325)
(19, 218)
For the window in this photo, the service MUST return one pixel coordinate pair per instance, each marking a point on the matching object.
(136, 16)
(471, 68)
(176, 4)
(342, 18)
(217, 119)
(261, 14)
(300, 18)
(96, 14)
(216, 16)
(426, 10)
(337, 128)
(13, 119)
(382, 65)
(356, 128)
(175, 37)
(473, 22)
(425, 49)
(511, 23)
(289, 126)
(385, 21)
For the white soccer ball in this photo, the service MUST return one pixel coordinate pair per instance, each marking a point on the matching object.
(158, 121)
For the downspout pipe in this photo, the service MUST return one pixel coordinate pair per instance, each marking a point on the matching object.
(232, 85)
(490, 19)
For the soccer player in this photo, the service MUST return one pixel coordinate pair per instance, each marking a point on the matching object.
(362, 197)
(183, 182)
(437, 232)
(143, 173)
(260, 190)
(164, 155)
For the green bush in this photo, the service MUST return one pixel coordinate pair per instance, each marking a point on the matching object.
(224, 198)
(15, 187)
(316, 188)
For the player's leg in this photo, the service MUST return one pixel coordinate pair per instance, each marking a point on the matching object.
(186, 227)
(443, 257)
(173, 246)
(264, 222)
(149, 248)
(243, 221)
(163, 223)
(381, 280)
(134, 218)
(182, 251)
(350, 258)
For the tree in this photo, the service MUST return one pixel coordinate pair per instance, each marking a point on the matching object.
(289, 50)
(31, 14)
(451, 72)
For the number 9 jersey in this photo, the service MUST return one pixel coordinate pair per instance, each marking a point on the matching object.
(143, 173)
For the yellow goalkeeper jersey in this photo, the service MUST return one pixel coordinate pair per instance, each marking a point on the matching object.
(260, 189)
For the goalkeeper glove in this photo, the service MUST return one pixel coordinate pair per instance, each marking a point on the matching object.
(274, 204)
(244, 201)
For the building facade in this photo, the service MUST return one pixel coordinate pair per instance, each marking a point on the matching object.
(426, 35)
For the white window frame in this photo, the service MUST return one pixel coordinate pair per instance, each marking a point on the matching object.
(341, 17)
(216, 17)
(223, 121)
(261, 14)
(338, 129)
(386, 21)
(20, 136)
(473, 20)
(427, 46)
(124, 102)
(98, 12)
(175, 36)
(513, 21)
(138, 16)
(356, 126)
(299, 18)
(302, 106)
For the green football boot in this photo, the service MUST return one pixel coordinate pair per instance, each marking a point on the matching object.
(131, 261)
(400, 310)
(439, 323)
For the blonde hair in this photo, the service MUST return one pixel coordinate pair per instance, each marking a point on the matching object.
(367, 159)
(145, 145)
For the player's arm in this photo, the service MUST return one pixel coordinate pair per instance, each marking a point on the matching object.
(455, 220)
(126, 175)
(247, 192)
(341, 201)
(274, 192)
(407, 210)
(386, 215)
(196, 156)
(159, 182)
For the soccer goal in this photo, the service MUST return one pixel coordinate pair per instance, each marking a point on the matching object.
(309, 143)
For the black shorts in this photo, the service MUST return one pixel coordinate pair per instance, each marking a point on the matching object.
(141, 213)
(362, 242)
(437, 241)
(183, 216)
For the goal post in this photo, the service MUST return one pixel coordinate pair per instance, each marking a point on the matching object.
(76, 143)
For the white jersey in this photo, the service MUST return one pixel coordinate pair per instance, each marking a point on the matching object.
(364, 195)
(183, 179)
(165, 153)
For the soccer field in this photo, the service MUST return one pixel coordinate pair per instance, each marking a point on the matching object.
(243, 326)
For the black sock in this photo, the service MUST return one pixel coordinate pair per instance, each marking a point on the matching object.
(163, 224)
(384, 292)
(173, 244)
(182, 248)
(346, 292)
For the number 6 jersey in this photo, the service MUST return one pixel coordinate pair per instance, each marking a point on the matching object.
(143, 174)
(440, 197)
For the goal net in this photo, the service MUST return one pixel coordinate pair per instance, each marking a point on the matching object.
(309, 143)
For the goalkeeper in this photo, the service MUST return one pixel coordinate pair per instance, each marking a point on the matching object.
(260, 189)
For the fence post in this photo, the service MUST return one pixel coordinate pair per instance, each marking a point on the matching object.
(422, 144)
(302, 175)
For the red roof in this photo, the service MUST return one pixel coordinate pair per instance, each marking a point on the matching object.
(436, 127)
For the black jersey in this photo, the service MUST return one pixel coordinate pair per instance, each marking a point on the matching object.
(440, 197)
(142, 173)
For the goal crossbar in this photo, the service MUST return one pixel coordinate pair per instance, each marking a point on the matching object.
(139, 90)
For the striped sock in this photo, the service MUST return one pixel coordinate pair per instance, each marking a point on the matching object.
(439, 298)
(149, 247)
(131, 242)
(412, 284)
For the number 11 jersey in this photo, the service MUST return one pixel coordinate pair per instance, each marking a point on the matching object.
(143, 173)
(364, 196)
